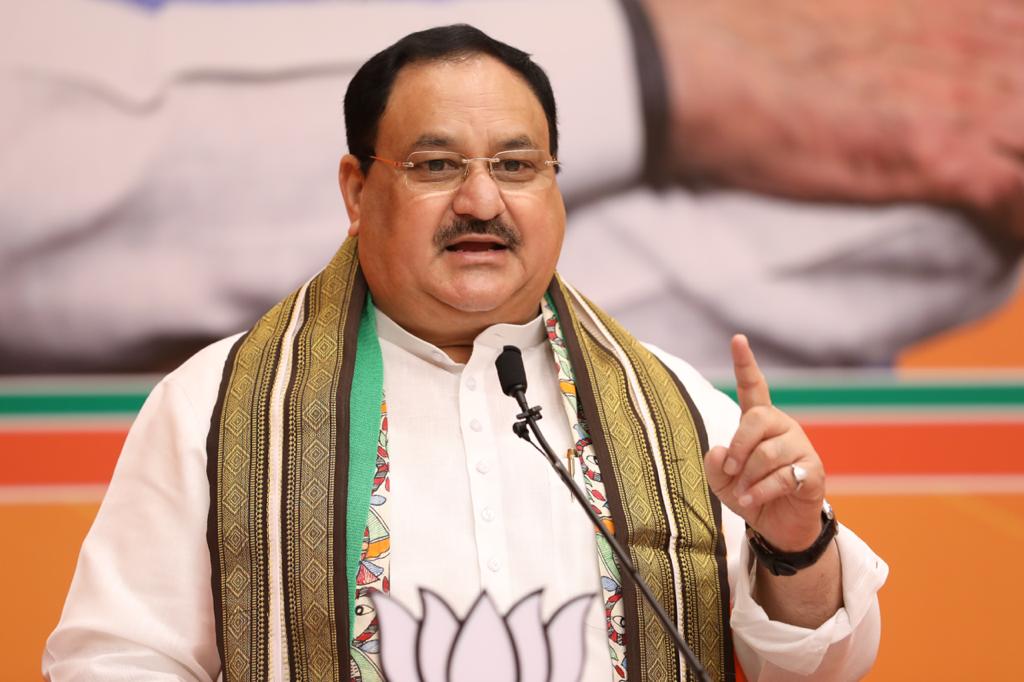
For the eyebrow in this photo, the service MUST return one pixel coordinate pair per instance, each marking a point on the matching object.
(431, 141)
(439, 141)
(518, 142)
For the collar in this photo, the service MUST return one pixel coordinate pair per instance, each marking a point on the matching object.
(493, 338)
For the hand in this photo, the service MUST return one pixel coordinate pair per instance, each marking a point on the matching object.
(851, 101)
(754, 475)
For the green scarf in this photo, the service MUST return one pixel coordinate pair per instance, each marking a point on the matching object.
(292, 453)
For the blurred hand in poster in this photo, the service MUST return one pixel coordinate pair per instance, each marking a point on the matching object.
(848, 100)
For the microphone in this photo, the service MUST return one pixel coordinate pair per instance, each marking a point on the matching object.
(512, 377)
(511, 372)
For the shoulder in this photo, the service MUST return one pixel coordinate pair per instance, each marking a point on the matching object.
(195, 384)
(206, 362)
(718, 411)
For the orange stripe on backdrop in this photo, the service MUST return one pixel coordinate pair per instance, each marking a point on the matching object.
(919, 448)
(87, 457)
(58, 457)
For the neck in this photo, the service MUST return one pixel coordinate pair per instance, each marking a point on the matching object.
(451, 330)
(453, 334)
(459, 352)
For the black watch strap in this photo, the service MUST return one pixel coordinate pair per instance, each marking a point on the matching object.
(788, 563)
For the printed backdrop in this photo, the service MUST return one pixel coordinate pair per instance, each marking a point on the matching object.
(169, 174)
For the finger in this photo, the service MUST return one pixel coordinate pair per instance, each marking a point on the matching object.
(751, 387)
(756, 425)
(768, 456)
(718, 480)
(776, 484)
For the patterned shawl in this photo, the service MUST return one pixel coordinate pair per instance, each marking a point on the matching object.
(291, 462)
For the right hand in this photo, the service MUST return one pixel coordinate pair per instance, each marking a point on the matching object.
(848, 100)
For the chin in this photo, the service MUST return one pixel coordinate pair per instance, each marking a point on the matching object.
(478, 300)
(476, 304)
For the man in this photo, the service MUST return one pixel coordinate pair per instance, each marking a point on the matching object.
(355, 439)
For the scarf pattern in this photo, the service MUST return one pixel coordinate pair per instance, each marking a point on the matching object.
(611, 583)
(374, 572)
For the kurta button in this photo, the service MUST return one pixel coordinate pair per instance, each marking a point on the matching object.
(493, 565)
(471, 383)
(483, 466)
(475, 425)
(487, 514)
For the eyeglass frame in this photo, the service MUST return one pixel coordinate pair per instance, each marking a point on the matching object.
(466, 161)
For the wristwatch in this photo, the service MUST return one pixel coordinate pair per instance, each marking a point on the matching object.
(788, 563)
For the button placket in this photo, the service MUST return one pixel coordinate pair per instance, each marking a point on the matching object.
(481, 448)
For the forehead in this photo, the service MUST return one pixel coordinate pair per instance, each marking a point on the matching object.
(475, 105)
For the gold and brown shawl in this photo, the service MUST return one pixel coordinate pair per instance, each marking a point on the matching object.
(290, 478)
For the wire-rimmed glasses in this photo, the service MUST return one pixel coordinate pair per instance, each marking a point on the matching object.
(438, 171)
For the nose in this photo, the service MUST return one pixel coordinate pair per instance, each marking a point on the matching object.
(478, 195)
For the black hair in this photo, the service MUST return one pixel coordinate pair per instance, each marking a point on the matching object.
(369, 90)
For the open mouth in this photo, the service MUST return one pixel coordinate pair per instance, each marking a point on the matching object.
(475, 246)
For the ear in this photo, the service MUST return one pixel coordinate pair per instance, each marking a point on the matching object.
(351, 180)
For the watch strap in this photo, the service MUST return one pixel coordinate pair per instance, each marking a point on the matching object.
(788, 563)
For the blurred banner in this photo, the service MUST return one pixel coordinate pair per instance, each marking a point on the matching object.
(168, 172)
(828, 177)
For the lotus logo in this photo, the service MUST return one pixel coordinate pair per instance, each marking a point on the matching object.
(516, 647)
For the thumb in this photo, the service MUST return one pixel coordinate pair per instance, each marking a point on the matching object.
(718, 480)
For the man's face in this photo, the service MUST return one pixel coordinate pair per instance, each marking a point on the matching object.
(422, 269)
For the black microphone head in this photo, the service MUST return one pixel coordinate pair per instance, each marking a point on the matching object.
(511, 373)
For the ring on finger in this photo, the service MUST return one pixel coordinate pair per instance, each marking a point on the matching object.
(799, 475)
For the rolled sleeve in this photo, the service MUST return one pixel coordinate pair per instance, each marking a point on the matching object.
(843, 647)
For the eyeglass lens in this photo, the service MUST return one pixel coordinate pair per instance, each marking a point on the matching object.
(514, 169)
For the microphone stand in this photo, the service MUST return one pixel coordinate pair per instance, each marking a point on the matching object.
(526, 421)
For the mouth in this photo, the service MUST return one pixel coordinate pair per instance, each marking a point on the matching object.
(476, 245)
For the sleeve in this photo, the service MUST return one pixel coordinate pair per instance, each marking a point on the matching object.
(842, 648)
(140, 599)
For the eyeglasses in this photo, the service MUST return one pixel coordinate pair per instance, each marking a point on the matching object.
(438, 171)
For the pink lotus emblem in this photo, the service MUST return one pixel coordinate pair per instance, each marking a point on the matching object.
(518, 647)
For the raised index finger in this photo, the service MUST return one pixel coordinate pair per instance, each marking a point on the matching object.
(751, 387)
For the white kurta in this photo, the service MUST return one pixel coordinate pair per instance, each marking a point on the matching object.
(473, 508)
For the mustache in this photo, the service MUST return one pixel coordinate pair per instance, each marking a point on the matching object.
(495, 227)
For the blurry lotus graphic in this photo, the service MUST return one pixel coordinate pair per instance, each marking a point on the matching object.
(516, 647)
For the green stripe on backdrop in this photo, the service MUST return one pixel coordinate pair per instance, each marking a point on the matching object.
(80, 400)
(67, 404)
(895, 396)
